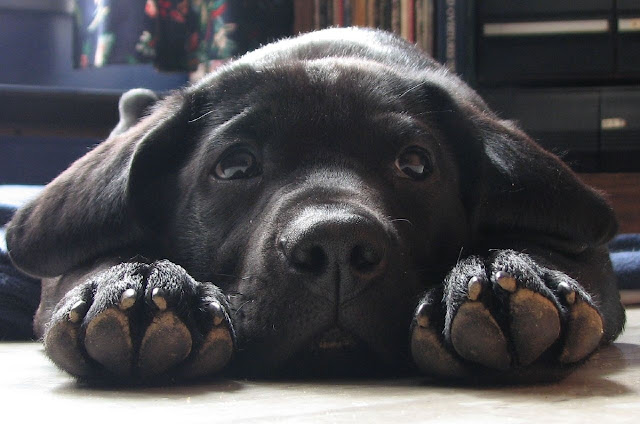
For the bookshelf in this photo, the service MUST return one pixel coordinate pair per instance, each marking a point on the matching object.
(442, 28)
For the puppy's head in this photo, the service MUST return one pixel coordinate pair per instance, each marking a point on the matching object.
(324, 183)
(326, 202)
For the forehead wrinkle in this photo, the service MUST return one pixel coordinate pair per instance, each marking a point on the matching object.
(400, 128)
(234, 128)
(402, 123)
(322, 98)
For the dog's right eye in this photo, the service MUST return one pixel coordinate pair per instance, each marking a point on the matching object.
(237, 164)
(414, 162)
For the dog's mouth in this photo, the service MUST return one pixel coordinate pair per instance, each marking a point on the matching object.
(332, 342)
(333, 353)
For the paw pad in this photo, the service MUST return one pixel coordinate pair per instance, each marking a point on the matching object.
(101, 328)
(526, 313)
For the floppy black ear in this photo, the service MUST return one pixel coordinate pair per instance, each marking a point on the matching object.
(87, 210)
(529, 193)
(521, 191)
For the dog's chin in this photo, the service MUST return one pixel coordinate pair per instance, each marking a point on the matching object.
(335, 353)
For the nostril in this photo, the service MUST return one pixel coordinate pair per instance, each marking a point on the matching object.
(365, 258)
(309, 259)
(329, 245)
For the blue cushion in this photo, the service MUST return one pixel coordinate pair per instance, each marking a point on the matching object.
(14, 196)
(11, 198)
(625, 256)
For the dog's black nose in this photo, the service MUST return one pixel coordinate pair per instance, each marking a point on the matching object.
(338, 251)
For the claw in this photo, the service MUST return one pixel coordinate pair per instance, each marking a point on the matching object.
(78, 311)
(474, 288)
(157, 296)
(422, 317)
(128, 299)
(506, 281)
(215, 309)
(568, 293)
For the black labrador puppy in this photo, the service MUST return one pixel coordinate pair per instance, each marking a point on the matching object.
(328, 203)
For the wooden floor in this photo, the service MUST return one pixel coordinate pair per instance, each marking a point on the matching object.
(605, 390)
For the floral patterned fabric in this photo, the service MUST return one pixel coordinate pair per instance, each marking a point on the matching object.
(175, 35)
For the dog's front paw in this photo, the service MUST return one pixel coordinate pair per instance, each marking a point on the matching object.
(503, 314)
(138, 320)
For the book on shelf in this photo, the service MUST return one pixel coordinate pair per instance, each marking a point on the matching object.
(454, 36)
(412, 19)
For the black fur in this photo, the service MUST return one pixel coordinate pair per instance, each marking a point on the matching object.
(326, 115)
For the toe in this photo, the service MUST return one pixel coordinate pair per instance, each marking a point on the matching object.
(108, 341)
(108, 337)
(534, 324)
(477, 337)
(166, 342)
(62, 338)
(584, 332)
(470, 327)
(217, 347)
(62, 345)
(428, 350)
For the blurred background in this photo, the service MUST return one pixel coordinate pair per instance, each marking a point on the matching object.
(568, 72)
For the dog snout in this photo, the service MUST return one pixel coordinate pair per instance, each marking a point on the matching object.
(338, 251)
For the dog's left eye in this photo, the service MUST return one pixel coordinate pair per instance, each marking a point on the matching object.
(414, 162)
(237, 164)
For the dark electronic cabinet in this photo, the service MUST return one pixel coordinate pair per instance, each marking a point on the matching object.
(569, 73)
(592, 129)
(628, 37)
(550, 40)
(620, 129)
(544, 40)
(565, 122)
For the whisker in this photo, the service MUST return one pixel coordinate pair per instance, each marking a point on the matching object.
(242, 306)
(201, 116)
(400, 220)
(431, 112)
(420, 84)
(224, 275)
